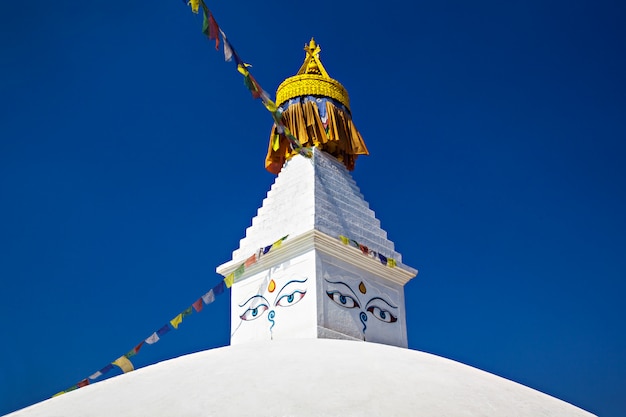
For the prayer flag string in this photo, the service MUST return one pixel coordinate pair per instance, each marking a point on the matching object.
(124, 363)
(212, 31)
(390, 262)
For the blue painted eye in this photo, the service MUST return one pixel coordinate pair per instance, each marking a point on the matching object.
(288, 300)
(382, 315)
(343, 300)
(254, 313)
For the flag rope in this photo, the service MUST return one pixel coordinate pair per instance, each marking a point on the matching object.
(124, 363)
(390, 262)
(213, 31)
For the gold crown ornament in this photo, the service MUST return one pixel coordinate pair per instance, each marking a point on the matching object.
(312, 80)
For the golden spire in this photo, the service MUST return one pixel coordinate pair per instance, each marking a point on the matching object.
(323, 121)
(312, 80)
(312, 63)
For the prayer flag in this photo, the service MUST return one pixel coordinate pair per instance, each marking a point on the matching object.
(364, 249)
(251, 260)
(239, 271)
(198, 305)
(391, 263)
(187, 312)
(383, 259)
(176, 321)
(83, 383)
(95, 375)
(134, 350)
(252, 85)
(267, 249)
(163, 330)
(209, 26)
(106, 369)
(344, 239)
(265, 97)
(238, 60)
(219, 288)
(72, 388)
(195, 4)
(275, 142)
(243, 69)
(229, 280)
(209, 297)
(277, 244)
(152, 339)
(277, 116)
(124, 364)
(228, 50)
(270, 105)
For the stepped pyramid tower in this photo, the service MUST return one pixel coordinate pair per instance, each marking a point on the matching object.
(337, 275)
(316, 281)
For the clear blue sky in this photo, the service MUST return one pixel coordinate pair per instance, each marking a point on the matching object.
(131, 162)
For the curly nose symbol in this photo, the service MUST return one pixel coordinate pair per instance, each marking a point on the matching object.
(270, 317)
(363, 318)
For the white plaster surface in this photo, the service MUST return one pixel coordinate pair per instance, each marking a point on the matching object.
(287, 310)
(312, 377)
(316, 193)
(374, 312)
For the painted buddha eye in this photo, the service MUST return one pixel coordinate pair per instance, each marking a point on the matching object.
(382, 315)
(288, 300)
(343, 300)
(254, 313)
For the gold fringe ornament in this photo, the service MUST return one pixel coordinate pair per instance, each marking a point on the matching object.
(316, 110)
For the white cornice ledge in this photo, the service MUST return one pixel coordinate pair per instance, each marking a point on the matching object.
(314, 239)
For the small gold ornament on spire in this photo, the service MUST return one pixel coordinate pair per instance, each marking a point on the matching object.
(312, 63)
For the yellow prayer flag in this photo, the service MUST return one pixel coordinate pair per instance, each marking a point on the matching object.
(242, 68)
(72, 388)
(270, 105)
(277, 244)
(195, 5)
(344, 239)
(275, 143)
(391, 263)
(176, 321)
(124, 364)
(229, 280)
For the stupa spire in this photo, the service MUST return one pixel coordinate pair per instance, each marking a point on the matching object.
(312, 63)
(316, 109)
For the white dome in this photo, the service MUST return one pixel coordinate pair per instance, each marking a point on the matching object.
(307, 377)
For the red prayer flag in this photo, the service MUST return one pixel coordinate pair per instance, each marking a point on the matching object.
(198, 305)
(250, 260)
(136, 349)
(214, 31)
(209, 26)
(256, 88)
(83, 383)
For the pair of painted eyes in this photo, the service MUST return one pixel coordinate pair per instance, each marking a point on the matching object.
(348, 301)
(286, 300)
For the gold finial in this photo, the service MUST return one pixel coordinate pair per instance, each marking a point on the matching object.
(312, 63)
(312, 79)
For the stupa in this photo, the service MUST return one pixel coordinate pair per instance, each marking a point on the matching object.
(318, 322)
